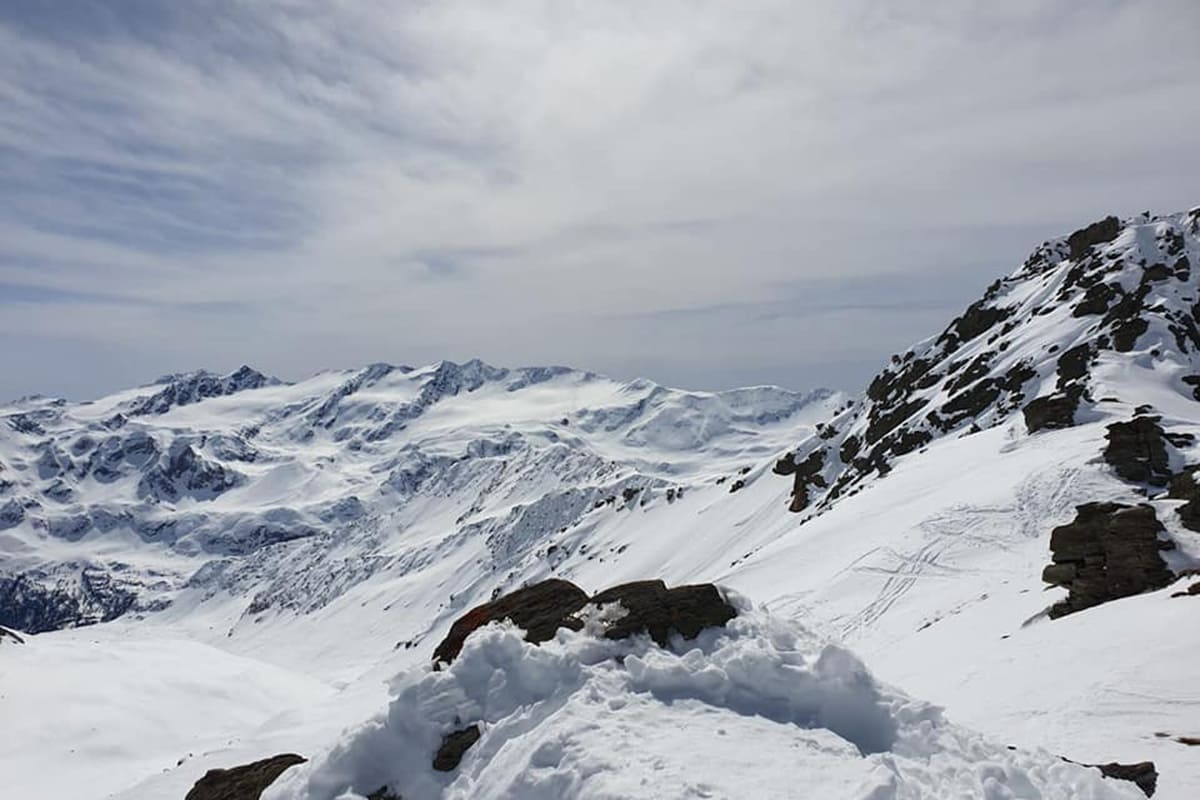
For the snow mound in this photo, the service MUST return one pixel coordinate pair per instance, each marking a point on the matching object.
(760, 708)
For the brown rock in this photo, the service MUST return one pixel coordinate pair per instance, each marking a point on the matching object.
(246, 782)
(659, 611)
(1109, 551)
(540, 609)
(454, 746)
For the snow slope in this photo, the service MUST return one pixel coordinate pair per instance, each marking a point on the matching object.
(334, 529)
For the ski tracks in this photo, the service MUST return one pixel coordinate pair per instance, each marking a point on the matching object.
(944, 538)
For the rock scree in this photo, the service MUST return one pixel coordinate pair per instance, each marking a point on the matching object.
(1108, 551)
(542, 608)
(246, 782)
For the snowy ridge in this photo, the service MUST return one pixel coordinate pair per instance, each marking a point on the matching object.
(290, 494)
(1052, 333)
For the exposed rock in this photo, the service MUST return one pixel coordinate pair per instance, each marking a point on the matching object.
(1143, 774)
(1109, 551)
(543, 608)
(454, 746)
(1185, 487)
(1051, 412)
(246, 782)
(383, 793)
(1137, 450)
(1191, 591)
(37, 602)
(807, 473)
(540, 609)
(654, 609)
(1082, 240)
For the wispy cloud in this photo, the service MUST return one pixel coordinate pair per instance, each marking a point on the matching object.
(340, 182)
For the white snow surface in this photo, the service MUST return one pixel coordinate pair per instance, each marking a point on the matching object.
(296, 609)
(757, 709)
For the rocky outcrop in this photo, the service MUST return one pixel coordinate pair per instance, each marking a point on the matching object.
(1030, 344)
(39, 602)
(541, 609)
(246, 782)
(187, 388)
(1185, 487)
(1109, 551)
(454, 746)
(654, 609)
(1051, 412)
(1143, 774)
(1083, 240)
(1137, 451)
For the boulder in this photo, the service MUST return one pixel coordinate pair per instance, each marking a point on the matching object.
(1137, 451)
(540, 609)
(1051, 412)
(246, 782)
(1109, 551)
(543, 608)
(654, 609)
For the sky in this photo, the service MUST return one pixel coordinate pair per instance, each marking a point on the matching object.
(707, 194)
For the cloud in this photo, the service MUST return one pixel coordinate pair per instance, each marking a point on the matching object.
(623, 186)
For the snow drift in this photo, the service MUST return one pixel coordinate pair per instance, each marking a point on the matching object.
(760, 708)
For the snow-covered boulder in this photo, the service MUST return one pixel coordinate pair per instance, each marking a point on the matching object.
(758, 708)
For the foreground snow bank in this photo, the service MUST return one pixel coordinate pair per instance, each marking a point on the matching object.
(759, 708)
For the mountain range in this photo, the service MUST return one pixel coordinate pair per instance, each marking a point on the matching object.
(213, 569)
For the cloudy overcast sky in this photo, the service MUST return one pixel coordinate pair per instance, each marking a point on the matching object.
(703, 193)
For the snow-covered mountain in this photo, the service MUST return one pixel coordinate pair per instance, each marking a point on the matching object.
(1003, 525)
(290, 494)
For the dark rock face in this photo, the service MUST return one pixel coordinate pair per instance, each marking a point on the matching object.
(454, 746)
(180, 390)
(1137, 450)
(659, 611)
(38, 603)
(185, 472)
(1144, 774)
(540, 609)
(1051, 412)
(246, 782)
(807, 473)
(980, 369)
(543, 608)
(1082, 240)
(1185, 487)
(1109, 551)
